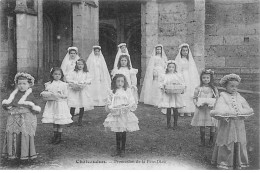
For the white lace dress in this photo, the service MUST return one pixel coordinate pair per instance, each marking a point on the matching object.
(57, 112)
(121, 118)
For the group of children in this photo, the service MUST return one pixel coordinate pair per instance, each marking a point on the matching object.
(69, 90)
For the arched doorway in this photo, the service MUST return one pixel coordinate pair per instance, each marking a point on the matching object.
(47, 45)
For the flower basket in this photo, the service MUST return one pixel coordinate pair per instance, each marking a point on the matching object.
(118, 110)
(174, 88)
(206, 101)
(77, 87)
(48, 96)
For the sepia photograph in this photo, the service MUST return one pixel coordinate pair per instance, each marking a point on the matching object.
(129, 84)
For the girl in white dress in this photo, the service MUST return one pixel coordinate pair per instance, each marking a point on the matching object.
(123, 67)
(121, 119)
(187, 67)
(69, 61)
(122, 50)
(79, 93)
(170, 100)
(151, 92)
(57, 111)
(101, 78)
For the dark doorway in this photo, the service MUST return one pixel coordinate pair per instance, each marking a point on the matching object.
(120, 22)
(57, 33)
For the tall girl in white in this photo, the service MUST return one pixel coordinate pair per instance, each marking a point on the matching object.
(151, 91)
(187, 67)
(79, 96)
(101, 78)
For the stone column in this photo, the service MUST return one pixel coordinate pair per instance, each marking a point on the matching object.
(149, 29)
(85, 26)
(39, 8)
(26, 36)
(199, 33)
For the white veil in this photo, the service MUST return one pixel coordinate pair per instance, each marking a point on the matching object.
(193, 71)
(119, 53)
(66, 60)
(148, 79)
(104, 71)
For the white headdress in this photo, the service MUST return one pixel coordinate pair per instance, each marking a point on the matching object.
(193, 71)
(66, 59)
(104, 71)
(119, 53)
(171, 61)
(96, 47)
(149, 73)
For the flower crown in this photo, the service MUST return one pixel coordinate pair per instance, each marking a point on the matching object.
(26, 75)
(228, 77)
(208, 71)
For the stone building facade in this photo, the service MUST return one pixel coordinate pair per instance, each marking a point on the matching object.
(223, 35)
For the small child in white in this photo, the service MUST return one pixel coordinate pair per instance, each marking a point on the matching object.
(21, 121)
(121, 104)
(231, 109)
(171, 100)
(56, 110)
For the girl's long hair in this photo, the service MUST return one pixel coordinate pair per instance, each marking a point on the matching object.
(175, 70)
(85, 69)
(113, 84)
(188, 51)
(211, 83)
(119, 61)
(56, 69)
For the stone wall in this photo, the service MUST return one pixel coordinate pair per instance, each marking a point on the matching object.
(182, 22)
(85, 27)
(173, 26)
(232, 39)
